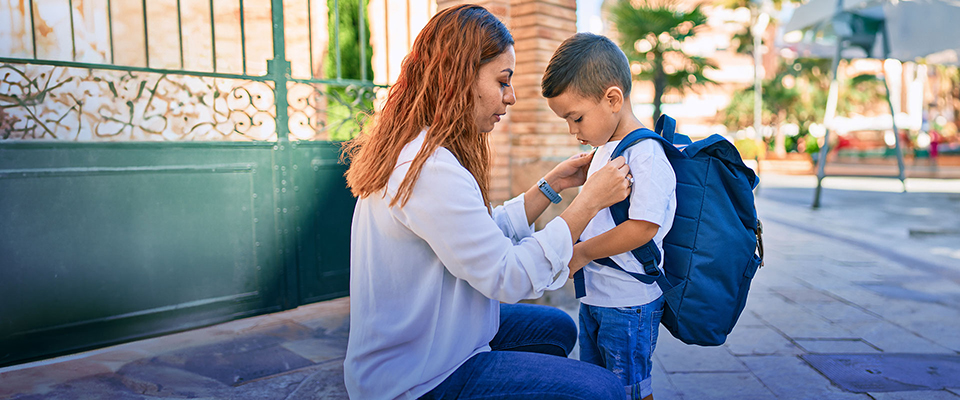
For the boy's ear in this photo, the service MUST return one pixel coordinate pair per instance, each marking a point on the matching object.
(614, 97)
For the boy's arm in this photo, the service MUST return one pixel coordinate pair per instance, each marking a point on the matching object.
(622, 238)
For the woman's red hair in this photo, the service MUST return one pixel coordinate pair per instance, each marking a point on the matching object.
(436, 89)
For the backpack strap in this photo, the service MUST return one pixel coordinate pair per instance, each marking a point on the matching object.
(667, 127)
(648, 255)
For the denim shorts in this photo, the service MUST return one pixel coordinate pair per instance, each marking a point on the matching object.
(622, 340)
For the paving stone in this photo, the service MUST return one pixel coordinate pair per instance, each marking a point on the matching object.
(330, 317)
(839, 312)
(285, 386)
(767, 301)
(895, 339)
(804, 295)
(826, 346)
(325, 383)
(96, 387)
(42, 379)
(856, 294)
(748, 318)
(663, 388)
(235, 367)
(915, 395)
(943, 333)
(777, 313)
(814, 330)
(318, 350)
(919, 313)
(157, 380)
(675, 356)
(940, 287)
(790, 378)
(887, 372)
(720, 386)
(898, 291)
(759, 340)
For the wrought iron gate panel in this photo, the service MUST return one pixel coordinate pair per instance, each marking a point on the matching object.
(189, 180)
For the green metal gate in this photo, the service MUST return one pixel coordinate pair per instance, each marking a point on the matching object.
(223, 198)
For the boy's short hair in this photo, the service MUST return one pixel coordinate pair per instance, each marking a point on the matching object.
(589, 64)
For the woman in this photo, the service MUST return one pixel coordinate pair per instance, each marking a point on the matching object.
(431, 262)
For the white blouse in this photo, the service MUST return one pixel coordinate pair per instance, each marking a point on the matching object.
(426, 279)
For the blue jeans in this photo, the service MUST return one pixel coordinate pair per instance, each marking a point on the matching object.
(622, 340)
(529, 361)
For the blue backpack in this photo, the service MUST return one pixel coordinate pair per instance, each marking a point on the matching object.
(711, 252)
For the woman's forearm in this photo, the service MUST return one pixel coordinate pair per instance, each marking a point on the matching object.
(577, 216)
(535, 202)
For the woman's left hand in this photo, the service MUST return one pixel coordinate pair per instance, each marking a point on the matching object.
(572, 172)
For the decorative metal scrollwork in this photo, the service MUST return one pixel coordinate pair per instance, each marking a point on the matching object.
(327, 112)
(77, 104)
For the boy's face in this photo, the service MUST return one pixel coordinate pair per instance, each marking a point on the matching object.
(592, 121)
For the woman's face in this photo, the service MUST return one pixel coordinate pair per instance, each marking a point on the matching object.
(493, 89)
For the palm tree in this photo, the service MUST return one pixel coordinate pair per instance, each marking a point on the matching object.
(651, 33)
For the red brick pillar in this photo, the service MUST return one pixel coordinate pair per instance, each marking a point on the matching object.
(539, 139)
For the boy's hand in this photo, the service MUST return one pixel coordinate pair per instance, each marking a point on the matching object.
(572, 172)
(578, 261)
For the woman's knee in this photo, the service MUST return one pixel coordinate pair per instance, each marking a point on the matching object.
(599, 383)
(563, 327)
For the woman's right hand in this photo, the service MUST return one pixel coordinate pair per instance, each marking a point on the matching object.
(604, 188)
(607, 186)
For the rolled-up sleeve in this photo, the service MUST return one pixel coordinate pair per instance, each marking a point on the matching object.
(500, 255)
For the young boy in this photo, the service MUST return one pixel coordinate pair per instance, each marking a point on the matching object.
(587, 83)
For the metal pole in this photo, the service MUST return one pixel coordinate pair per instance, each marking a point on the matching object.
(213, 38)
(363, 41)
(279, 72)
(73, 32)
(110, 28)
(893, 114)
(180, 32)
(310, 37)
(336, 35)
(831, 109)
(758, 29)
(146, 33)
(33, 30)
(243, 38)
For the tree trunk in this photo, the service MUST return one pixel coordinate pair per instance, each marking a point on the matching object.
(780, 143)
(659, 86)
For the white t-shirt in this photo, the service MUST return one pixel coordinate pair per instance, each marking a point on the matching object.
(652, 199)
(426, 279)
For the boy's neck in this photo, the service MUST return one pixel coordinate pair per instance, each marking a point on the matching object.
(628, 123)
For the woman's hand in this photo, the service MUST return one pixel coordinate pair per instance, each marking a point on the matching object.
(608, 185)
(572, 172)
(605, 187)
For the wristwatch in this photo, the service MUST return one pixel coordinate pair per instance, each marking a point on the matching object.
(548, 191)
